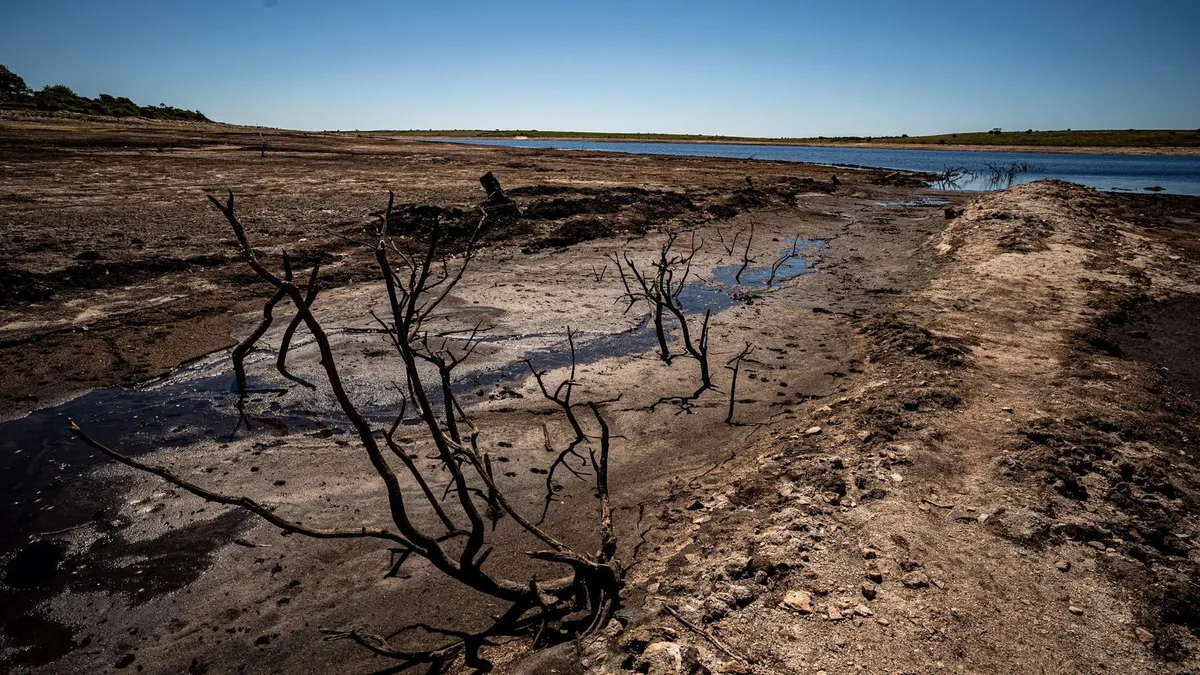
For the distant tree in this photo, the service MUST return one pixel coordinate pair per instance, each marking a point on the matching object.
(60, 97)
(12, 85)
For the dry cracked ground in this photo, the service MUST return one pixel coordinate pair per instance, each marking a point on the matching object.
(965, 439)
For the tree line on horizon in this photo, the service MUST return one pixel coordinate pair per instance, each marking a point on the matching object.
(60, 98)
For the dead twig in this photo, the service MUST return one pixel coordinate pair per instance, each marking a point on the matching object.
(712, 639)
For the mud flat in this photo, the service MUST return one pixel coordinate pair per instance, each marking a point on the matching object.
(954, 406)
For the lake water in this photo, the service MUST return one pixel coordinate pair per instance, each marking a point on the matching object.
(1132, 173)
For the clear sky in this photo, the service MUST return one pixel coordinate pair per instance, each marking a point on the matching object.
(737, 67)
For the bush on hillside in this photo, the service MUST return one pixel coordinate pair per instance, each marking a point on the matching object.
(60, 98)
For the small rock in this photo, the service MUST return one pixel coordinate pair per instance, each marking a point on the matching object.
(869, 554)
(834, 614)
(883, 622)
(812, 431)
(868, 590)
(963, 516)
(915, 580)
(742, 594)
(862, 610)
(670, 658)
(797, 601)
(874, 574)
(739, 567)
(717, 606)
(864, 436)
(1144, 636)
(1007, 409)
(1075, 610)
(1099, 546)
(1063, 565)
(897, 477)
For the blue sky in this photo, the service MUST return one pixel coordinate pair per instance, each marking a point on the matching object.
(799, 68)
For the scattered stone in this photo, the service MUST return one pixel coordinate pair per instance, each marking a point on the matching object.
(1063, 565)
(797, 601)
(897, 477)
(874, 574)
(812, 431)
(670, 658)
(742, 594)
(963, 516)
(868, 590)
(834, 614)
(915, 580)
(864, 436)
(1099, 546)
(862, 610)
(869, 554)
(717, 606)
(1077, 611)
(1007, 409)
(883, 622)
(739, 566)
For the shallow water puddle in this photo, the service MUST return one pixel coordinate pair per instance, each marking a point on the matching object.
(920, 201)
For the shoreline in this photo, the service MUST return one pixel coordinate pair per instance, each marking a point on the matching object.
(1140, 151)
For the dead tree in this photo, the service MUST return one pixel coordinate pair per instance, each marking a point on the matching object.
(784, 258)
(746, 259)
(649, 292)
(731, 244)
(418, 278)
(659, 286)
(735, 364)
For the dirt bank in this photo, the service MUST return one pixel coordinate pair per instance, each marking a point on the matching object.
(1008, 483)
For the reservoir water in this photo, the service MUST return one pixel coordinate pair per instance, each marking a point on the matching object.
(1129, 173)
